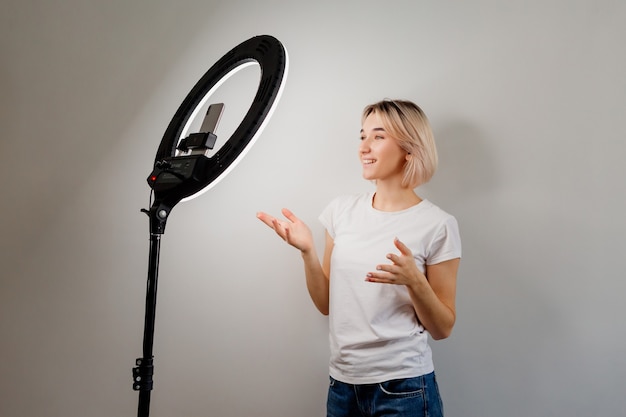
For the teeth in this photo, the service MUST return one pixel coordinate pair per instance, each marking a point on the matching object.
(368, 161)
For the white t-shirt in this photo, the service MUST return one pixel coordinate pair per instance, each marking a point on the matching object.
(374, 332)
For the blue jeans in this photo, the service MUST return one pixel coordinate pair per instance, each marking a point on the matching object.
(414, 397)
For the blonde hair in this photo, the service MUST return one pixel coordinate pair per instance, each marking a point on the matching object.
(408, 124)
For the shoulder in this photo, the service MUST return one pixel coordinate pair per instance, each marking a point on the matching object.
(341, 208)
(436, 213)
(349, 201)
(445, 241)
(442, 225)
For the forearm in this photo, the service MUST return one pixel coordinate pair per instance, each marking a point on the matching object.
(433, 314)
(316, 280)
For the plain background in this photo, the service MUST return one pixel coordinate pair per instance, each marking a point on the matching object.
(527, 101)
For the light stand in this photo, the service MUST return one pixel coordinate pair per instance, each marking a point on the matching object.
(182, 170)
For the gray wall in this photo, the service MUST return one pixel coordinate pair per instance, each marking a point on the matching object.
(527, 100)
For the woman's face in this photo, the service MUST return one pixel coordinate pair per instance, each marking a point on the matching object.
(381, 157)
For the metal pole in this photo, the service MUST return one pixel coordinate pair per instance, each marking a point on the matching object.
(144, 371)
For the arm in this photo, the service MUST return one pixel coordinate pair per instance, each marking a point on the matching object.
(317, 274)
(433, 294)
(297, 234)
(434, 298)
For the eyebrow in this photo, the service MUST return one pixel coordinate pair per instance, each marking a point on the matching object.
(376, 129)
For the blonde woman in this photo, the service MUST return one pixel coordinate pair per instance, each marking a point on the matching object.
(387, 278)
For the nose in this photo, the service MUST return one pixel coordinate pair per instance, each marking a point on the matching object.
(364, 145)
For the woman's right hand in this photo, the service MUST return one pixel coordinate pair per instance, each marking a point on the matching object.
(293, 230)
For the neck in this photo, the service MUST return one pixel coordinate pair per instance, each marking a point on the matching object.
(394, 198)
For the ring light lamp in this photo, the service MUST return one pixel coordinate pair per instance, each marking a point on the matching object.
(175, 178)
(182, 170)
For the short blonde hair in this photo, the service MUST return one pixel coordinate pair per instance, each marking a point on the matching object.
(408, 124)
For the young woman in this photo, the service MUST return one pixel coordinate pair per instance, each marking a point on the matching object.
(388, 275)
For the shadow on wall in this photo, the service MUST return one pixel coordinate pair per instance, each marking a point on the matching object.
(467, 169)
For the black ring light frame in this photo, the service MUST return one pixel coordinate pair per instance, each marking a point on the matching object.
(175, 178)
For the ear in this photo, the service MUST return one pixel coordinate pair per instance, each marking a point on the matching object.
(408, 156)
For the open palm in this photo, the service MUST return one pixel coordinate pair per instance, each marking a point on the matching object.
(292, 230)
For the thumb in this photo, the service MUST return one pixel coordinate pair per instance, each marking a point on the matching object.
(402, 247)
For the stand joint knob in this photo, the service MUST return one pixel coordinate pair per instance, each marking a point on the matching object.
(142, 374)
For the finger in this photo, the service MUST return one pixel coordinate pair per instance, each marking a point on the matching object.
(289, 215)
(386, 268)
(393, 258)
(380, 277)
(266, 218)
(402, 247)
(279, 228)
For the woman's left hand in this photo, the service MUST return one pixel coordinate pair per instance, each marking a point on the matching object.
(402, 271)
(432, 297)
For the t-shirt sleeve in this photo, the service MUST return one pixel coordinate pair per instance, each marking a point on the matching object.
(446, 244)
(326, 218)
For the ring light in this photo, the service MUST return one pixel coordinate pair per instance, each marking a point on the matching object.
(182, 170)
(175, 178)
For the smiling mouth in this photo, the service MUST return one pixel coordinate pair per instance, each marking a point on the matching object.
(368, 161)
